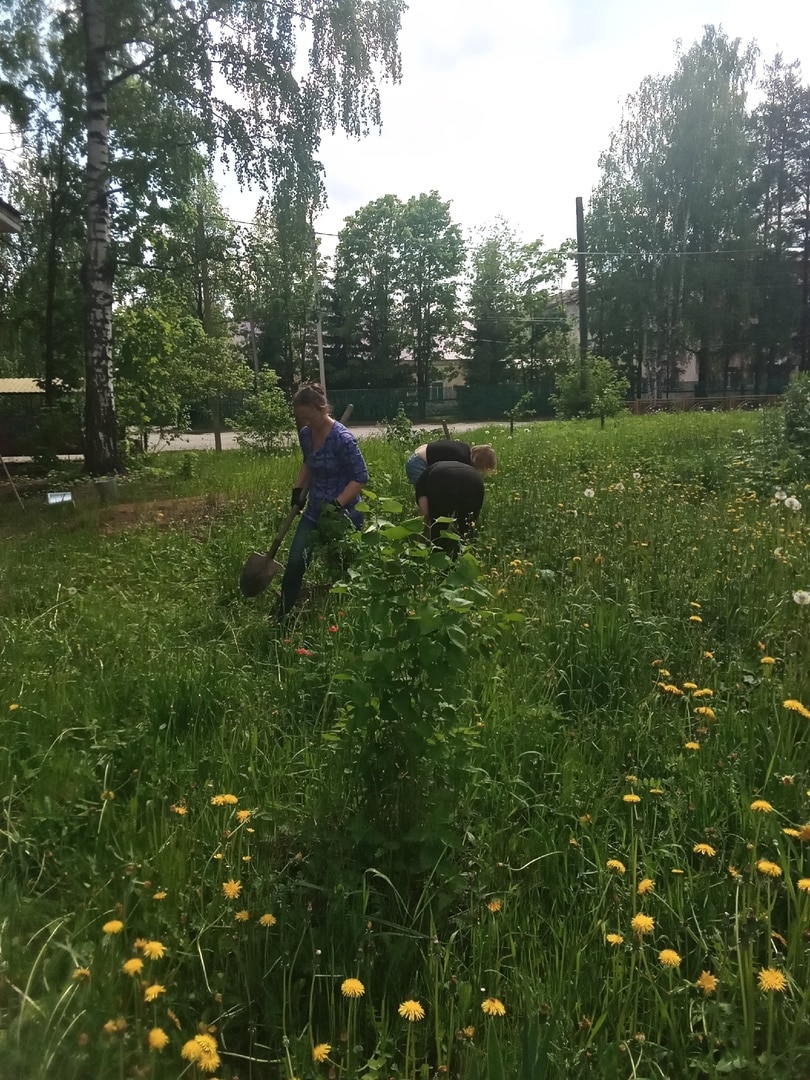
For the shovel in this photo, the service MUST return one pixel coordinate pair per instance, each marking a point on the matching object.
(260, 569)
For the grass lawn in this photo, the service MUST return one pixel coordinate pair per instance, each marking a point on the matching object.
(544, 812)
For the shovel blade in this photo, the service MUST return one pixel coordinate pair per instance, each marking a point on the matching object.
(257, 573)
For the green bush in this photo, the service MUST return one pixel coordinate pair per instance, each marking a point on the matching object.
(265, 423)
(590, 389)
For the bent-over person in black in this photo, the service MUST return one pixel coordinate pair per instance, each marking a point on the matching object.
(450, 489)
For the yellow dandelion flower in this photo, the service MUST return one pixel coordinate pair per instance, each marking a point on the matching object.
(80, 973)
(267, 920)
(631, 779)
(796, 706)
(803, 885)
(656, 791)
(231, 889)
(791, 832)
(704, 849)
(191, 1050)
(208, 1061)
(242, 916)
(13, 707)
(769, 660)
(708, 655)
(734, 872)
(768, 868)
(495, 906)
(241, 816)
(321, 1052)
(466, 1033)
(617, 865)
(139, 943)
(690, 686)
(691, 745)
(224, 800)
(492, 1006)
(614, 939)
(694, 604)
(631, 797)
(707, 982)
(411, 1010)
(695, 618)
(352, 988)
(133, 966)
(115, 1027)
(646, 885)
(179, 809)
(154, 950)
(705, 710)
(642, 924)
(771, 980)
(676, 870)
(669, 958)
(804, 832)
(761, 806)
(705, 692)
(161, 895)
(153, 992)
(158, 1039)
(114, 926)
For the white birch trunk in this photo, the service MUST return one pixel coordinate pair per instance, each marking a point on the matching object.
(101, 434)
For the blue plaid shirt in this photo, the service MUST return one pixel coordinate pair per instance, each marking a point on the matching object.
(332, 466)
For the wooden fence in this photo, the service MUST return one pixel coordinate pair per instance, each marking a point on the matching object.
(689, 403)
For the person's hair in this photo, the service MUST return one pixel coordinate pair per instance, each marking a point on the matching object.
(311, 395)
(483, 458)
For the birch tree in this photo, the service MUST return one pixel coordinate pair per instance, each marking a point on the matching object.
(261, 80)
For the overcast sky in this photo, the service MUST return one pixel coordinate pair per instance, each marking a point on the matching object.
(505, 105)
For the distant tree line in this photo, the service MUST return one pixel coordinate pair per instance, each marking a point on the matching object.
(131, 279)
(700, 225)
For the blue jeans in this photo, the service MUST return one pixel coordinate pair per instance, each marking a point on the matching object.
(414, 467)
(297, 562)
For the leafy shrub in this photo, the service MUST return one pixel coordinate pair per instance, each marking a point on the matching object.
(400, 429)
(589, 389)
(265, 423)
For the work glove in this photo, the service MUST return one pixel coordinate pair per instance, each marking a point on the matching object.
(298, 498)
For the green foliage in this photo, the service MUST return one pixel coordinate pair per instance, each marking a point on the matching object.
(520, 410)
(399, 733)
(514, 322)
(265, 423)
(796, 408)
(398, 430)
(159, 344)
(590, 389)
(428, 789)
(395, 291)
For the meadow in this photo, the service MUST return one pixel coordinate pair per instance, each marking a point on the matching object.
(541, 812)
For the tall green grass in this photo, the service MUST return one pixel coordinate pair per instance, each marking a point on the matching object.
(650, 574)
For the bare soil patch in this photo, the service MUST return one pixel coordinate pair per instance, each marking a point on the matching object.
(189, 512)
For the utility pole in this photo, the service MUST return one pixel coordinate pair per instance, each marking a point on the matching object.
(205, 284)
(582, 290)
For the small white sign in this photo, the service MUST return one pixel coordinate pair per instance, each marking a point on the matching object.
(56, 497)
